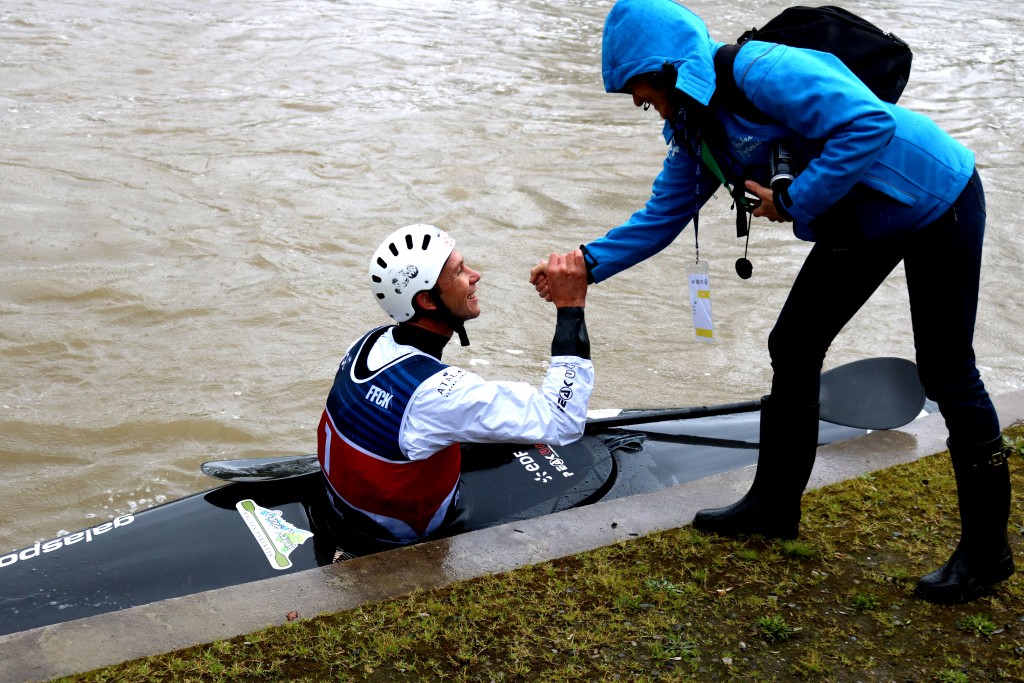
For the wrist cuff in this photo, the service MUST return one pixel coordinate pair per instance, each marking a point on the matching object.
(571, 334)
(589, 261)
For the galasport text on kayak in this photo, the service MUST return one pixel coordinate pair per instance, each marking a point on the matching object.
(58, 543)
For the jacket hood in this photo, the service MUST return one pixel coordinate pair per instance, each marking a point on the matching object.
(641, 36)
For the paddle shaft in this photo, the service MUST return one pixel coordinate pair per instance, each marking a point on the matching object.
(874, 393)
(658, 415)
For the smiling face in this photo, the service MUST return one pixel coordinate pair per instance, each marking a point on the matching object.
(457, 283)
(653, 90)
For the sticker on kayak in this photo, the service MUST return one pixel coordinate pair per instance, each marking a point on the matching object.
(276, 537)
(550, 457)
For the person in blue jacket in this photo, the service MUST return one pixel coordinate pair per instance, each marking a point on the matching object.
(879, 184)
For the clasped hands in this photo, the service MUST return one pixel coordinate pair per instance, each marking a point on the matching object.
(561, 279)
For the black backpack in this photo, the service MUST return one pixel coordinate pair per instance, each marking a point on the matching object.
(880, 59)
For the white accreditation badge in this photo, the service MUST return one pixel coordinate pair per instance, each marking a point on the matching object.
(700, 301)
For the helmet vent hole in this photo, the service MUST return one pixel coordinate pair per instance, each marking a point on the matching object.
(408, 241)
(381, 262)
(394, 249)
(380, 296)
(426, 242)
(376, 278)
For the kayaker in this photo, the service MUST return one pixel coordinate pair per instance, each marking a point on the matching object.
(880, 184)
(389, 438)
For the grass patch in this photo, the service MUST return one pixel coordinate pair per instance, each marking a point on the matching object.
(835, 605)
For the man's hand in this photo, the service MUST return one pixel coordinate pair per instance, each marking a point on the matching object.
(539, 279)
(766, 209)
(562, 279)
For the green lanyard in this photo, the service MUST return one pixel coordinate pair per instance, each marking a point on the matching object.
(709, 161)
(741, 202)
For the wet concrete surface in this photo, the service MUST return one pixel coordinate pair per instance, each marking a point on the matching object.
(45, 653)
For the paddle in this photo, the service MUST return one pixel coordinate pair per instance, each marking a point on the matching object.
(261, 469)
(874, 393)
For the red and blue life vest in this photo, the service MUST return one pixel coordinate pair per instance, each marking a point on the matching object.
(359, 448)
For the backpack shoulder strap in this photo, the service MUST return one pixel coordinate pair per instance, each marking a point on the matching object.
(728, 92)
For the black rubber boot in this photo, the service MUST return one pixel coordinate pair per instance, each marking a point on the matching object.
(789, 440)
(982, 557)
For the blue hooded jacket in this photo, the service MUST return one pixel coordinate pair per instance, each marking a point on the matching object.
(894, 169)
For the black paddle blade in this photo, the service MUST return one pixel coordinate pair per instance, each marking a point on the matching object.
(262, 469)
(874, 393)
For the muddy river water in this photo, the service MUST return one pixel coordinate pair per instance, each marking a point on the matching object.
(190, 192)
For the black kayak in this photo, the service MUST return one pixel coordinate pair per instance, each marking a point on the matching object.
(248, 531)
(271, 519)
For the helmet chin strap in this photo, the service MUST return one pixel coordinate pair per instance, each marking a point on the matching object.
(445, 315)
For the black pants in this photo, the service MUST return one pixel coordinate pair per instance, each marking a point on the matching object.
(942, 263)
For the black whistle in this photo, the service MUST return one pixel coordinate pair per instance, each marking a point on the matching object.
(744, 268)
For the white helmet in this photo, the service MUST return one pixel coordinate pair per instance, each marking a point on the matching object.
(407, 262)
